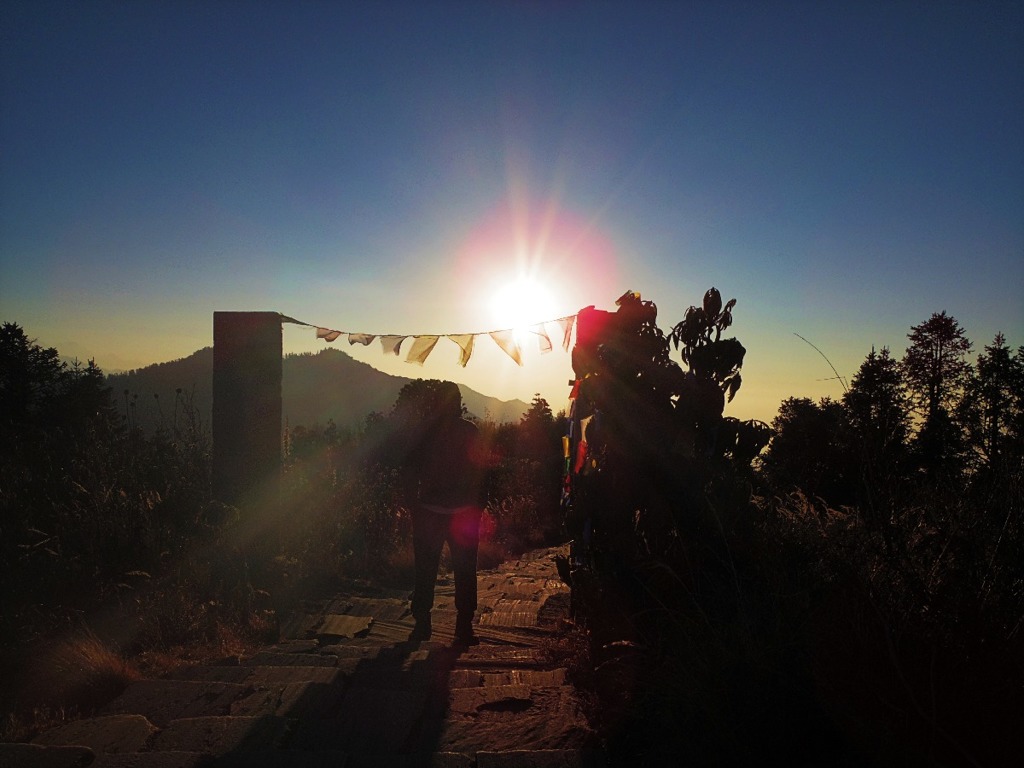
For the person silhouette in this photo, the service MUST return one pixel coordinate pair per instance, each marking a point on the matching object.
(442, 484)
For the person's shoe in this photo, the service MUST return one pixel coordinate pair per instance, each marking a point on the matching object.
(421, 631)
(464, 636)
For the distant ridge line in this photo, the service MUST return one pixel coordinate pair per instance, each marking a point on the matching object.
(318, 387)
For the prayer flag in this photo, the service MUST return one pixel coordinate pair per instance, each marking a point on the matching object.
(465, 342)
(392, 344)
(509, 343)
(566, 324)
(327, 334)
(421, 349)
(543, 340)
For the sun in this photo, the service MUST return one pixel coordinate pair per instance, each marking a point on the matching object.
(521, 303)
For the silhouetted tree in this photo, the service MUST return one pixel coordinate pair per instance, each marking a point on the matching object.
(878, 429)
(54, 417)
(936, 372)
(537, 436)
(992, 410)
(809, 450)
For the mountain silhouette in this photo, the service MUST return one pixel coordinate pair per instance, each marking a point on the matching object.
(328, 385)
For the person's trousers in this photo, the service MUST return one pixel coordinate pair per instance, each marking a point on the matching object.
(430, 531)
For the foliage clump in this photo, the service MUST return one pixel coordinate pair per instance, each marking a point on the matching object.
(744, 605)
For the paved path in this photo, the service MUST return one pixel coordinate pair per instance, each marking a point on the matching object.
(343, 688)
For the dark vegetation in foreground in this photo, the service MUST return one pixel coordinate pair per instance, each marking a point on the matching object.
(849, 593)
(853, 595)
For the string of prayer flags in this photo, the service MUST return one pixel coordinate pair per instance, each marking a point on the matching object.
(509, 340)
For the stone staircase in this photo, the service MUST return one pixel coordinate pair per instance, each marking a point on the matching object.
(344, 688)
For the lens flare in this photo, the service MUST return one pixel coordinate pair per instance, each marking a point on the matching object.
(522, 302)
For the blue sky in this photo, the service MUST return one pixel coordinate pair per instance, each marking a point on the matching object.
(842, 170)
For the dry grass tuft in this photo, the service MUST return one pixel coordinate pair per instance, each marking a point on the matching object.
(71, 678)
(80, 674)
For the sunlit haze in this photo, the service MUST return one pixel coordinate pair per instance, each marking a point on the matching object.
(841, 170)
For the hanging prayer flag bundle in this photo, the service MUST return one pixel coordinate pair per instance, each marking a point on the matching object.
(508, 339)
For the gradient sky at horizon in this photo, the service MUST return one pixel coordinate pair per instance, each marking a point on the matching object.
(842, 170)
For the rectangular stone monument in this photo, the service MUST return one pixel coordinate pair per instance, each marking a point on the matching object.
(247, 350)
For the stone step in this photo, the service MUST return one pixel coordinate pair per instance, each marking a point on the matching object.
(105, 734)
(370, 720)
(510, 718)
(155, 760)
(381, 609)
(346, 688)
(45, 756)
(278, 659)
(34, 756)
(502, 656)
(266, 674)
(162, 701)
(222, 735)
(543, 758)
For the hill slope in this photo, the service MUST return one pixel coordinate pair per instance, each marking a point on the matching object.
(315, 388)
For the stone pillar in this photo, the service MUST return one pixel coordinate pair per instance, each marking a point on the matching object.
(247, 350)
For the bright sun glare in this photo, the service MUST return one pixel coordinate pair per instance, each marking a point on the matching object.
(521, 303)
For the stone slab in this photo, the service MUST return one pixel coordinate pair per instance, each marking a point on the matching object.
(535, 678)
(42, 756)
(542, 758)
(389, 633)
(300, 626)
(306, 645)
(162, 701)
(267, 675)
(401, 679)
(284, 759)
(527, 603)
(465, 678)
(336, 625)
(295, 700)
(369, 722)
(470, 701)
(342, 651)
(279, 659)
(420, 760)
(211, 674)
(550, 719)
(155, 760)
(482, 656)
(509, 619)
(221, 735)
(380, 608)
(109, 734)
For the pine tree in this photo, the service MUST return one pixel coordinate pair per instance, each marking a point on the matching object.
(936, 370)
(877, 407)
(878, 429)
(808, 451)
(992, 409)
